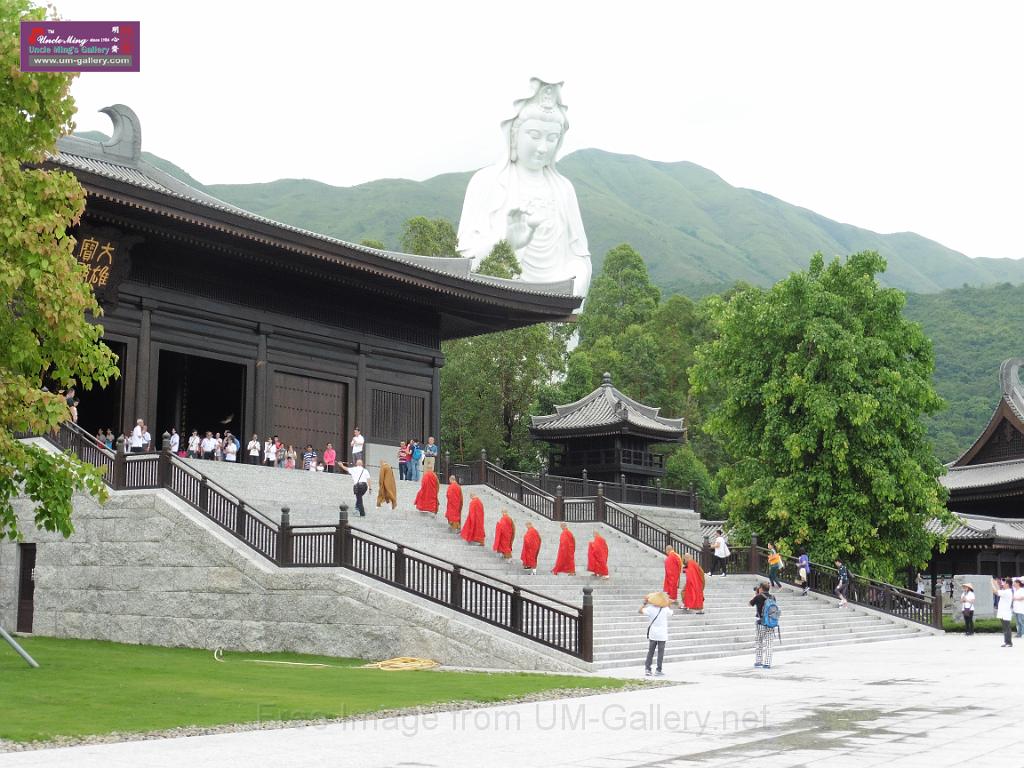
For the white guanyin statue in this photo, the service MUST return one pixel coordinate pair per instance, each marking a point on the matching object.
(525, 201)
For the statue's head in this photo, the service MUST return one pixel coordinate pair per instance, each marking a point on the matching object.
(535, 133)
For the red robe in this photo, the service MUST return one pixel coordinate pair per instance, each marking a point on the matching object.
(673, 567)
(473, 528)
(426, 499)
(504, 534)
(693, 595)
(531, 547)
(597, 556)
(453, 513)
(565, 560)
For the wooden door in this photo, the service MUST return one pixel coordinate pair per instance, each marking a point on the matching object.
(309, 410)
(26, 586)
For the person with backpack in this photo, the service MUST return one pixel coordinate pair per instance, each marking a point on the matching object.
(774, 566)
(767, 625)
(842, 582)
(656, 608)
(803, 563)
(416, 460)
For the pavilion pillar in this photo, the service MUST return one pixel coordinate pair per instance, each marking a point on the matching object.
(435, 399)
(142, 366)
(261, 408)
(362, 394)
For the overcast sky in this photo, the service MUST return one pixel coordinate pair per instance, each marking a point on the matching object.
(889, 115)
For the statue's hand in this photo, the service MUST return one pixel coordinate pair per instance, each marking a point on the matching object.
(520, 227)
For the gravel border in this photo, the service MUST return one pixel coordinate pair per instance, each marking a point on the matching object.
(272, 725)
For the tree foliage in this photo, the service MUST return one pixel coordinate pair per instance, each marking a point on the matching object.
(44, 331)
(430, 237)
(823, 384)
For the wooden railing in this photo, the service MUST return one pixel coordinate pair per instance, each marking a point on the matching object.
(551, 622)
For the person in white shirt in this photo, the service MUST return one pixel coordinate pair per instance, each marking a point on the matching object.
(254, 450)
(655, 608)
(193, 444)
(357, 445)
(1018, 605)
(175, 441)
(137, 441)
(230, 450)
(147, 439)
(1004, 611)
(269, 452)
(967, 608)
(360, 483)
(721, 552)
(209, 445)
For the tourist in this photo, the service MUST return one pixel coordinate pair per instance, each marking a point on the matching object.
(356, 444)
(1018, 606)
(565, 558)
(270, 451)
(722, 552)
(673, 568)
(331, 456)
(136, 441)
(1004, 612)
(597, 556)
(109, 441)
(280, 454)
(774, 565)
(764, 633)
(209, 446)
(430, 454)
(504, 535)
(74, 410)
(453, 509)
(386, 491)
(656, 608)
(404, 455)
(147, 439)
(842, 582)
(803, 564)
(473, 529)
(920, 584)
(426, 499)
(693, 594)
(360, 483)
(193, 444)
(309, 457)
(175, 441)
(254, 450)
(290, 456)
(415, 460)
(531, 548)
(230, 449)
(967, 608)
(99, 438)
(218, 451)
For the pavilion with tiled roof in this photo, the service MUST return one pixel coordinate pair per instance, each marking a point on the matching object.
(609, 435)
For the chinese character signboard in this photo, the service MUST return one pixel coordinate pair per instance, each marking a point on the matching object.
(104, 252)
(79, 46)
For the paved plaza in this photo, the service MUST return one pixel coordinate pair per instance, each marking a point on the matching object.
(930, 702)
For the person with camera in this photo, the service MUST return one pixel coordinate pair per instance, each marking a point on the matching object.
(360, 483)
(766, 625)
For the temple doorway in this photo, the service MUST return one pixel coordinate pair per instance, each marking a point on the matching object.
(103, 408)
(198, 393)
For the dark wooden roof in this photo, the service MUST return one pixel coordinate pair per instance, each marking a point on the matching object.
(114, 174)
(606, 411)
(1003, 439)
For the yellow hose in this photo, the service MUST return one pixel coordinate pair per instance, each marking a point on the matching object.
(402, 664)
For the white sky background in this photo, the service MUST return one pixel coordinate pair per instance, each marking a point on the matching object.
(889, 115)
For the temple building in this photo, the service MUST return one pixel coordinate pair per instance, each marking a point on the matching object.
(223, 319)
(607, 434)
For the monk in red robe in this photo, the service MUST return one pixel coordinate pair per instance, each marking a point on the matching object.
(693, 594)
(531, 548)
(426, 499)
(453, 512)
(673, 568)
(504, 535)
(473, 529)
(597, 556)
(565, 560)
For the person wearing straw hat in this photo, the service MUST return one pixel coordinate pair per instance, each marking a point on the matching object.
(656, 608)
(967, 608)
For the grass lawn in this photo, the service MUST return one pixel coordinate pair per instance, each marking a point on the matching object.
(90, 687)
(980, 625)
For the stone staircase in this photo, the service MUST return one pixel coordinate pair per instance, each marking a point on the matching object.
(724, 629)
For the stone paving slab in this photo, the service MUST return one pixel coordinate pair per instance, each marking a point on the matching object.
(912, 703)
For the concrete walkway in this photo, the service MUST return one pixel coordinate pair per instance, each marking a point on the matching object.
(930, 702)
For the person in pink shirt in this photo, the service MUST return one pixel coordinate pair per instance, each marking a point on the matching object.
(329, 457)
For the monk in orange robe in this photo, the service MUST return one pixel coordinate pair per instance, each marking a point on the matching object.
(426, 499)
(531, 548)
(504, 535)
(473, 529)
(565, 560)
(673, 568)
(597, 556)
(453, 512)
(693, 595)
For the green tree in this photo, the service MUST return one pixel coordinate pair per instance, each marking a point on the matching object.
(371, 243)
(823, 387)
(430, 237)
(44, 331)
(684, 468)
(622, 295)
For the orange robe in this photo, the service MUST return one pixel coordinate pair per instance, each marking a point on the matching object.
(531, 548)
(673, 567)
(426, 499)
(504, 534)
(597, 556)
(473, 528)
(453, 512)
(565, 560)
(693, 595)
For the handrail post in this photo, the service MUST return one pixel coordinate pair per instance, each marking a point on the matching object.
(163, 467)
(585, 478)
(753, 554)
(455, 595)
(342, 539)
(558, 508)
(483, 466)
(600, 511)
(240, 513)
(400, 565)
(657, 484)
(519, 489)
(447, 469)
(937, 611)
(707, 554)
(120, 479)
(622, 485)
(204, 494)
(696, 503)
(284, 536)
(587, 625)
(517, 609)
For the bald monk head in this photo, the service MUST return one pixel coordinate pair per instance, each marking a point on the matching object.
(452, 480)
(669, 549)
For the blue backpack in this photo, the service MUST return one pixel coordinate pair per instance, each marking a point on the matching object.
(417, 453)
(770, 614)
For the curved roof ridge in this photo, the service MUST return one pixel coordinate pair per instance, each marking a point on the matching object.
(1009, 379)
